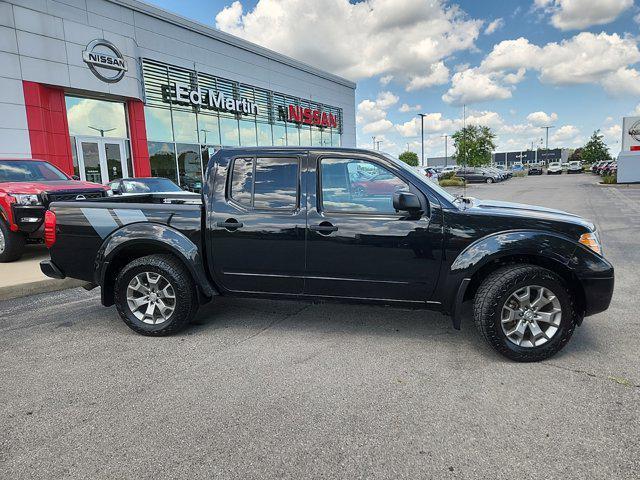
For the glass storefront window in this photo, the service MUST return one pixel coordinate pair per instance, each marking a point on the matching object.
(335, 139)
(162, 156)
(96, 118)
(229, 134)
(189, 167)
(264, 134)
(127, 151)
(316, 137)
(248, 133)
(158, 122)
(279, 135)
(293, 135)
(305, 136)
(185, 128)
(74, 157)
(209, 129)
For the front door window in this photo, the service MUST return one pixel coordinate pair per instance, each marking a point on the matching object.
(113, 154)
(90, 154)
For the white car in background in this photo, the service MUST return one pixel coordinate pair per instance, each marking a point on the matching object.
(554, 168)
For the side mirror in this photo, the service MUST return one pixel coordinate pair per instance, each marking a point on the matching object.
(115, 191)
(407, 202)
(75, 177)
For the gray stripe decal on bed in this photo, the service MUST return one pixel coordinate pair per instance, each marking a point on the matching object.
(127, 216)
(101, 220)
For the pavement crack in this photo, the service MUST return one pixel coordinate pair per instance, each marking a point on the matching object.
(619, 380)
(273, 324)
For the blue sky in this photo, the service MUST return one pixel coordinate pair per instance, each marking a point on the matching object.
(517, 65)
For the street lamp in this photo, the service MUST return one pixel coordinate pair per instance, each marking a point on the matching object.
(101, 130)
(446, 157)
(422, 115)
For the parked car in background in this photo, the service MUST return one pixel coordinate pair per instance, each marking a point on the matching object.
(517, 167)
(574, 166)
(554, 168)
(607, 169)
(477, 175)
(143, 185)
(532, 273)
(448, 169)
(429, 172)
(565, 165)
(26, 189)
(535, 169)
(506, 170)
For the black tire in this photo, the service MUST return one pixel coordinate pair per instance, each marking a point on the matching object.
(14, 243)
(174, 271)
(494, 292)
(489, 180)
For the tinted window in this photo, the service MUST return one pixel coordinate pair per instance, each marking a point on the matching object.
(270, 183)
(149, 185)
(162, 157)
(276, 183)
(350, 185)
(242, 181)
(28, 171)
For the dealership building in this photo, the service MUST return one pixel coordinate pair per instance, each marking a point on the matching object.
(105, 89)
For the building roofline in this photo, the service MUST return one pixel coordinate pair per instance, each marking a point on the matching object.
(229, 39)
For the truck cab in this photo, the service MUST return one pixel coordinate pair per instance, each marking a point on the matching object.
(327, 224)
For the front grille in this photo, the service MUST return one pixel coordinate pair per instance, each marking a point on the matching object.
(73, 196)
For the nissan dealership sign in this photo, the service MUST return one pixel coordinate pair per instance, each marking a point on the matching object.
(105, 60)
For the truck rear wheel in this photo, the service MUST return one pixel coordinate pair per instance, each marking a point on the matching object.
(525, 312)
(155, 295)
(11, 243)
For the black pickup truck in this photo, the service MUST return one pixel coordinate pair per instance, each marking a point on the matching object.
(335, 224)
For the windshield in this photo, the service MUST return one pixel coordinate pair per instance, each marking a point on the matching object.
(29, 171)
(150, 185)
(432, 185)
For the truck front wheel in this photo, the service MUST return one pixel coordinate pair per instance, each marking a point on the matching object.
(155, 295)
(11, 243)
(525, 312)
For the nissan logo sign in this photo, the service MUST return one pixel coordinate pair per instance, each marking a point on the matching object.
(634, 131)
(105, 60)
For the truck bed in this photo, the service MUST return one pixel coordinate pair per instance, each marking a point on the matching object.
(84, 227)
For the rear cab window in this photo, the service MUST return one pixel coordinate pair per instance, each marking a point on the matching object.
(265, 183)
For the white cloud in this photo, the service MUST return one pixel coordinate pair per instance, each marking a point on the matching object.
(372, 114)
(474, 86)
(581, 14)
(406, 108)
(408, 39)
(584, 58)
(495, 25)
(540, 119)
(612, 134)
(386, 79)
(438, 75)
(564, 133)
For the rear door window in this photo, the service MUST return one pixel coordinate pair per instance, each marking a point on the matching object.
(266, 183)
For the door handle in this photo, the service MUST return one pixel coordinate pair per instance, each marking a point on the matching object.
(230, 224)
(325, 228)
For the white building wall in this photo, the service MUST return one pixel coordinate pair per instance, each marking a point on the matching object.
(43, 40)
(14, 132)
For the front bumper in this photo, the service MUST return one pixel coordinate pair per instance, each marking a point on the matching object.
(597, 294)
(50, 269)
(28, 218)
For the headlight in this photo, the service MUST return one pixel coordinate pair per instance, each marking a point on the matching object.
(591, 240)
(25, 199)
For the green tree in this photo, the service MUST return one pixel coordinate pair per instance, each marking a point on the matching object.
(595, 149)
(576, 156)
(474, 145)
(410, 158)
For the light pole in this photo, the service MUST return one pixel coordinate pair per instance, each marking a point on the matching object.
(378, 142)
(422, 115)
(374, 142)
(446, 157)
(546, 148)
(101, 130)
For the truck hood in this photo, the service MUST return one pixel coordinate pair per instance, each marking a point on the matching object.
(497, 207)
(53, 186)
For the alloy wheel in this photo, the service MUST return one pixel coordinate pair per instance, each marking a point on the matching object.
(3, 242)
(531, 316)
(151, 298)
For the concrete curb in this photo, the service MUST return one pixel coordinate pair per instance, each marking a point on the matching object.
(40, 286)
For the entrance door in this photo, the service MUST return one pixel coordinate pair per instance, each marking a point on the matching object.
(101, 159)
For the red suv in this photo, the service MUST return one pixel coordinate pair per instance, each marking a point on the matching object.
(26, 189)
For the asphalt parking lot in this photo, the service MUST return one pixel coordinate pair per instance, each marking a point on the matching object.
(261, 389)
